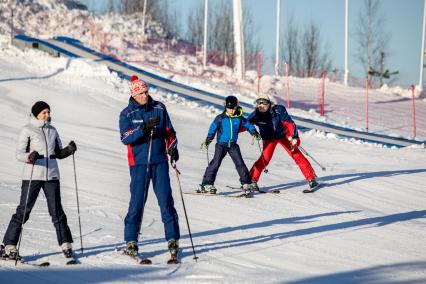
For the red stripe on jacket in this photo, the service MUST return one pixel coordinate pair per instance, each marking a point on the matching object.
(130, 156)
(170, 138)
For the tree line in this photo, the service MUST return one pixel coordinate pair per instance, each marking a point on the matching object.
(303, 48)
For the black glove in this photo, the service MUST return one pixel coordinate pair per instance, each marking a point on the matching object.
(32, 157)
(174, 155)
(152, 122)
(72, 147)
(256, 136)
(206, 143)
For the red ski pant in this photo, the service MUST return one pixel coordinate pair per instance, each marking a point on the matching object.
(268, 151)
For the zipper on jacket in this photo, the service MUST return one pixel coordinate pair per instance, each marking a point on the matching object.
(47, 153)
(229, 141)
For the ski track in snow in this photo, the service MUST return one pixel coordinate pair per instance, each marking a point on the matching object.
(365, 225)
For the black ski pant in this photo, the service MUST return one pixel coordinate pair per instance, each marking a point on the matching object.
(219, 153)
(53, 196)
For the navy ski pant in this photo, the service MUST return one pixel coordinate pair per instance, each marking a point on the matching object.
(52, 192)
(220, 153)
(159, 173)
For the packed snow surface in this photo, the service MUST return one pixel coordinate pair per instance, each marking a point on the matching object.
(367, 224)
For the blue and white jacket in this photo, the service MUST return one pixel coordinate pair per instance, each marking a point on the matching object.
(164, 137)
(227, 127)
(274, 124)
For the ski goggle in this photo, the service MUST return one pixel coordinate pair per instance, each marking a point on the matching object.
(262, 102)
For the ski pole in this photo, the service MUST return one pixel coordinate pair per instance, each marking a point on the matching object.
(25, 212)
(208, 157)
(148, 165)
(184, 209)
(263, 159)
(313, 159)
(78, 203)
(203, 145)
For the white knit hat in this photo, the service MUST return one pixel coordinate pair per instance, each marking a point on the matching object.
(263, 96)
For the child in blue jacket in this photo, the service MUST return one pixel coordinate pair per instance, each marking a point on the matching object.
(227, 125)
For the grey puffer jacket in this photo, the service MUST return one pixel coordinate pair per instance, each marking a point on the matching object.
(40, 136)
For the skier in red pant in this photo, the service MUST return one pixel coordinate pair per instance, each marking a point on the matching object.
(277, 127)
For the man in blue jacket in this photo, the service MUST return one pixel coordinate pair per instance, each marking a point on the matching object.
(146, 129)
(227, 125)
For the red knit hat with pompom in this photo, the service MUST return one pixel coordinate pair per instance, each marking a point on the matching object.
(137, 86)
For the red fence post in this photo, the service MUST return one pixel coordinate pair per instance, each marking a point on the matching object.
(322, 93)
(287, 88)
(366, 103)
(259, 63)
(413, 112)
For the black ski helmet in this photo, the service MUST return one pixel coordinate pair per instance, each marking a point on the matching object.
(231, 102)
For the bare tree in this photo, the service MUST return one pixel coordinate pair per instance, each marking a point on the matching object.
(314, 58)
(252, 44)
(159, 11)
(111, 7)
(221, 31)
(305, 54)
(372, 40)
(195, 23)
(290, 47)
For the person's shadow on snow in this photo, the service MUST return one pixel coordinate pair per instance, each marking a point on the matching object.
(341, 179)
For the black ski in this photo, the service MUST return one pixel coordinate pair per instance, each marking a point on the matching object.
(71, 261)
(41, 264)
(139, 259)
(312, 190)
(239, 195)
(36, 264)
(274, 191)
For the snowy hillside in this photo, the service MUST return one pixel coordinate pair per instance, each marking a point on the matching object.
(390, 108)
(366, 225)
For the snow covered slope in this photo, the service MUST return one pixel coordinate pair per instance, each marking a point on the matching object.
(366, 225)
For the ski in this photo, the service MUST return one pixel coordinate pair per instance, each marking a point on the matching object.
(173, 260)
(140, 260)
(274, 191)
(41, 264)
(233, 195)
(312, 190)
(137, 258)
(71, 261)
(36, 264)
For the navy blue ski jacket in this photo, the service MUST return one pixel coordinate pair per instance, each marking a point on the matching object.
(274, 124)
(164, 137)
(227, 127)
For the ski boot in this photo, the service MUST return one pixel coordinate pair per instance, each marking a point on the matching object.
(254, 186)
(248, 190)
(313, 184)
(131, 249)
(10, 252)
(68, 253)
(207, 188)
(174, 250)
(67, 250)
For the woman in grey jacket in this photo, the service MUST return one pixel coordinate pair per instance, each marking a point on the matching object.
(39, 146)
